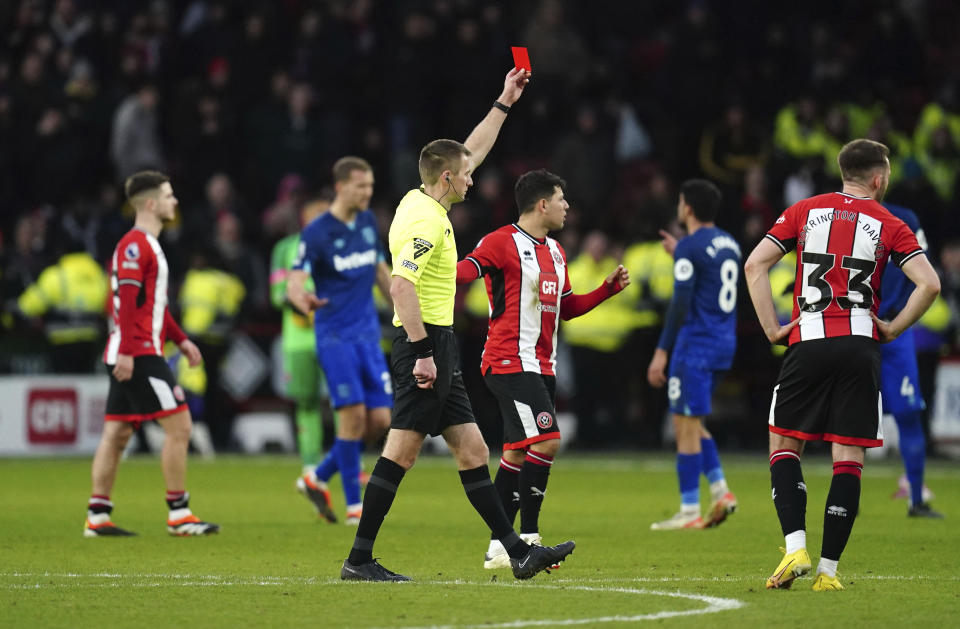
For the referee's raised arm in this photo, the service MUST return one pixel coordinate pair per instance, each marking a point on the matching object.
(481, 139)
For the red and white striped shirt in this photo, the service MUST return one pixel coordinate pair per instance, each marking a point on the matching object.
(140, 320)
(843, 243)
(525, 280)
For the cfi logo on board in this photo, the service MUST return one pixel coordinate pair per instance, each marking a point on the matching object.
(52, 416)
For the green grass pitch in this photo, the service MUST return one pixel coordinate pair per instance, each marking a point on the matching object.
(275, 565)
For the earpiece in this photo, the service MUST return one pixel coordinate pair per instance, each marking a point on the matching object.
(450, 185)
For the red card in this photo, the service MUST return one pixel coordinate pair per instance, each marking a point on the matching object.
(520, 58)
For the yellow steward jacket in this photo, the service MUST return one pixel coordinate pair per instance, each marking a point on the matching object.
(71, 295)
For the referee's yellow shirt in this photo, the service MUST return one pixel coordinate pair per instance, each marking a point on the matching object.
(424, 251)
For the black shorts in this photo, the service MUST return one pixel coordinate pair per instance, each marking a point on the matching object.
(152, 392)
(526, 403)
(429, 411)
(829, 390)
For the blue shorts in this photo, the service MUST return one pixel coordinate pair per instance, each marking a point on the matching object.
(356, 373)
(690, 388)
(899, 382)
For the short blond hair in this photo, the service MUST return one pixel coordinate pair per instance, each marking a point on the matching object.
(438, 156)
(344, 166)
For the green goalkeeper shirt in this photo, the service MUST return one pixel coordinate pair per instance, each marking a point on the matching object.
(297, 329)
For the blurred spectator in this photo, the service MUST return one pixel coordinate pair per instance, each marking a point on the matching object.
(210, 300)
(940, 160)
(730, 147)
(649, 294)
(596, 340)
(135, 143)
(236, 258)
(585, 158)
(67, 24)
(294, 144)
(836, 133)
(757, 213)
(31, 93)
(70, 296)
(283, 215)
(942, 112)
(950, 285)
(556, 48)
(798, 130)
(26, 254)
(900, 145)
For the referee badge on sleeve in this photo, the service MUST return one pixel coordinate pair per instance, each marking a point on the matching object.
(420, 247)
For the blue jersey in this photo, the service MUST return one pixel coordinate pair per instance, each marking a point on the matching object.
(895, 288)
(701, 322)
(342, 259)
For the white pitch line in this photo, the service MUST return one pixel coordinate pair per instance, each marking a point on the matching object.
(714, 604)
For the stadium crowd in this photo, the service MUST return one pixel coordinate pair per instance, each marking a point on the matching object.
(247, 106)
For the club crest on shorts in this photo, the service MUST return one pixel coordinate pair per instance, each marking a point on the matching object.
(178, 393)
(544, 420)
(132, 252)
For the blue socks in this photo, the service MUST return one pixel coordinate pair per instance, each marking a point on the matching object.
(328, 466)
(913, 449)
(711, 460)
(348, 460)
(688, 471)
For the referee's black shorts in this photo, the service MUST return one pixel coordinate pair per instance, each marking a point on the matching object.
(829, 390)
(429, 411)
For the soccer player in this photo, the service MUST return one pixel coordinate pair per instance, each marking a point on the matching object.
(430, 396)
(529, 290)
(340, 251)
(303, 377)
(142, 387)
(829, 383)
(699, 336)
(899, 379)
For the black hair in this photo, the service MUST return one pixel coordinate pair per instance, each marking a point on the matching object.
(703, 197)
(535, 185)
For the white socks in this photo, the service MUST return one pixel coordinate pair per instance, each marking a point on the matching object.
(827, 567)
(795, 541)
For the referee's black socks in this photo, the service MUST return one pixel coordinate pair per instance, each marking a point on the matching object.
(379, 495)
(789, 490)
(484, 498)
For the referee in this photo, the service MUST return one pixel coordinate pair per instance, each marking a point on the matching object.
(430, 397)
